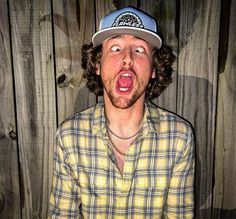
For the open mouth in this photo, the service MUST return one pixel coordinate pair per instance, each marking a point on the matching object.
(125, 83)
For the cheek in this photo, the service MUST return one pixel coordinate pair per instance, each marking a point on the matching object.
(109, 65)
(145, 66)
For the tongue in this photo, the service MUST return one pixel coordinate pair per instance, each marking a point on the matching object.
(125, 82)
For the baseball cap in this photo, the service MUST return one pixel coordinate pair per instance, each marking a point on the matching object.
(128, 20)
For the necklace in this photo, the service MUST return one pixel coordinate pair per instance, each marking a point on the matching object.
(124, 138)
(118, 150)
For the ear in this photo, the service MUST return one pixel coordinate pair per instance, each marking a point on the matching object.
(153, 73)
(98, 69)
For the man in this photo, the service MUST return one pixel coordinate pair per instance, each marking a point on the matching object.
(124, 157)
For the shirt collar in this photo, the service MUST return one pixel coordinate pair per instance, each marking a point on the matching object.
(151, 121)
(98, 122)
(151, 118)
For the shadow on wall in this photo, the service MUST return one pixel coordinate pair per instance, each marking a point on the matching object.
(221, 213)
(196, 103)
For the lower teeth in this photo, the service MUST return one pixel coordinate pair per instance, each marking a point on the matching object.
(123, 89)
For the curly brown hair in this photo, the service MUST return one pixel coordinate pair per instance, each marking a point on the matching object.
(163, 59)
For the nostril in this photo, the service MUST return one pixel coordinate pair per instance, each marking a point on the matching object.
(127, 59)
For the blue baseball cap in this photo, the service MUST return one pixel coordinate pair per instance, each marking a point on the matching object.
(128, 20)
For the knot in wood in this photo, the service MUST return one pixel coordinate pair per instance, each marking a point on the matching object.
(12, 135)
(61, 79)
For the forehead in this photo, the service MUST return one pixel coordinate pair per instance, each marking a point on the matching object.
(127, 38)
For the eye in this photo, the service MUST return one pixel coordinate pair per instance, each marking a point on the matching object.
(139, 49)
(115, 48)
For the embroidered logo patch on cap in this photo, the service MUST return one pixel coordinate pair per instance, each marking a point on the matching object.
(128, 19)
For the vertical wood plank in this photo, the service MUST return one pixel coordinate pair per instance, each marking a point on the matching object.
(35, 101)
(9, 175)
(122, 3)
(102, 8)
(165, 14)
(197, 83)
(74, 24)
(225, 156)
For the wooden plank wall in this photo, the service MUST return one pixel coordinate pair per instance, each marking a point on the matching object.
(197, 85)
(73, 26)
(41, 84)
(10, 206)
(225, 147)
(35, 102)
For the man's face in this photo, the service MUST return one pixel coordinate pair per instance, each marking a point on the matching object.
(125, 69)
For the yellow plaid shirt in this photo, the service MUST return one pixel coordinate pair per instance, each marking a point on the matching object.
(157, 180)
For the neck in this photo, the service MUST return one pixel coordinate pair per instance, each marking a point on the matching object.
(124, 122)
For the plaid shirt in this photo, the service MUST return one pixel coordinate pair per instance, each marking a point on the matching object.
(157, 179)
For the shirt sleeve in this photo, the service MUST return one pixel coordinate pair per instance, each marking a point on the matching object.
(180, 199)
(64, 199)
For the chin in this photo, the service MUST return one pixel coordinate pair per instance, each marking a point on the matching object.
(123, 102)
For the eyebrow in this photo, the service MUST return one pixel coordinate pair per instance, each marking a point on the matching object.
(136, 37)
(114, 37)
(119, 36)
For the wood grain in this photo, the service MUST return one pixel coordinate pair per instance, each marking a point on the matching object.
(122, 3)
(9, 175)
(35, 101)
(102, 8)
(164, 13)
(197, 85)
(225, 156)
(73, 26)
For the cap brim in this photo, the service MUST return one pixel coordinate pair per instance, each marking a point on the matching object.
(149, 36)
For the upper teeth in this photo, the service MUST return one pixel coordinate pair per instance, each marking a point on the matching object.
(126, 75)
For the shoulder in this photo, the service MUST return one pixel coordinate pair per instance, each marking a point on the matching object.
(77, 118)
(78, 124)
(167, 122)
(174, 133)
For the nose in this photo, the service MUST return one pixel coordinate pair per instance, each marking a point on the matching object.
(127, 60)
